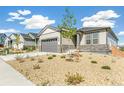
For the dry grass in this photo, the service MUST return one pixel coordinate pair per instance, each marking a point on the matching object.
(44, 71)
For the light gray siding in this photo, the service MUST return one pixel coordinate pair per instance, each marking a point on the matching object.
(101, 38)
(111, 41)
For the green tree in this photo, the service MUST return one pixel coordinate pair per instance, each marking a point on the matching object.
(67, 27)
(2, 40)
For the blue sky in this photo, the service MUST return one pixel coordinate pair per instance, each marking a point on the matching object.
(33, 19)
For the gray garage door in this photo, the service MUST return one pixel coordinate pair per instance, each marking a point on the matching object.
(49, 45)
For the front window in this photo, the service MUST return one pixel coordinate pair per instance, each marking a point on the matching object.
(92, 38)
(88, 38)
(95, 38)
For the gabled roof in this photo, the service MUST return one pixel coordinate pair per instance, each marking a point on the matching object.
(33, 34)
(2, 34)
(46, 27)
(13, 34)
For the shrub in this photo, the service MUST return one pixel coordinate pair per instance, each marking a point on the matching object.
(53, 55)
(73, 79)
(32, 59)
(94, 62)
(69, 59)
(36, 66)
(106, 67)
(29, 48)
(50, 57)
(40, 60)
(62, 56)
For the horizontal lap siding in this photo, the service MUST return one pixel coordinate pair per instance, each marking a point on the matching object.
(100, 47)
(29, 43)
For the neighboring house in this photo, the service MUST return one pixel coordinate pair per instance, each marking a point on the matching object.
(2, 39)
(11, 41)
(34, 36)
(90, 39)
(50, 40)
(8, 42)
(25, 40)
(96, 39)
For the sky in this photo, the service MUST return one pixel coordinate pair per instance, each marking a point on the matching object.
(24, 19)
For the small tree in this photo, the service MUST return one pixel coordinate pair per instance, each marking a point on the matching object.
(17, 40)
(67, 27)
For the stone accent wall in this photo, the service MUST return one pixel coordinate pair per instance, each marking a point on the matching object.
(65, 48)
(95, 48)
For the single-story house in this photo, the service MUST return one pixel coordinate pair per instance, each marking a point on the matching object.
(25, 40)
(90, 39)
(2, 39)
(96, 39)
(10, 41)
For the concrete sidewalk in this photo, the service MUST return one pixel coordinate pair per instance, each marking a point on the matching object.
(10, 77)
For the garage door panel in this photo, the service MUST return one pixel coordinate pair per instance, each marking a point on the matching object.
(49, 45)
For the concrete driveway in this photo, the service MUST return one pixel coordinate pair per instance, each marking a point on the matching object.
(10, 77)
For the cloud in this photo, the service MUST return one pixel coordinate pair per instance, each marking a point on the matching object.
(121, 33)
(18, 15)
(9, 19)
(24, 12)
(37, 22)
(8, 31)
(101, 19)
(14, 14)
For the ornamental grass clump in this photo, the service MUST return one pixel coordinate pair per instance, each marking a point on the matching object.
(73, 79)
(32, 59)
(50, 57)
(94, 62)
(40, 60)
(106, 67)
(53, 55)
(63, 56)
(36, 66)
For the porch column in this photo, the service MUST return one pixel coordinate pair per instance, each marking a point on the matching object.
(78, 41)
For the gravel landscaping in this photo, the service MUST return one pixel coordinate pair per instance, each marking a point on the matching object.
(92, 69)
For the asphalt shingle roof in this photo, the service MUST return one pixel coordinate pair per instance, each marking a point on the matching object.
(26, 37)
